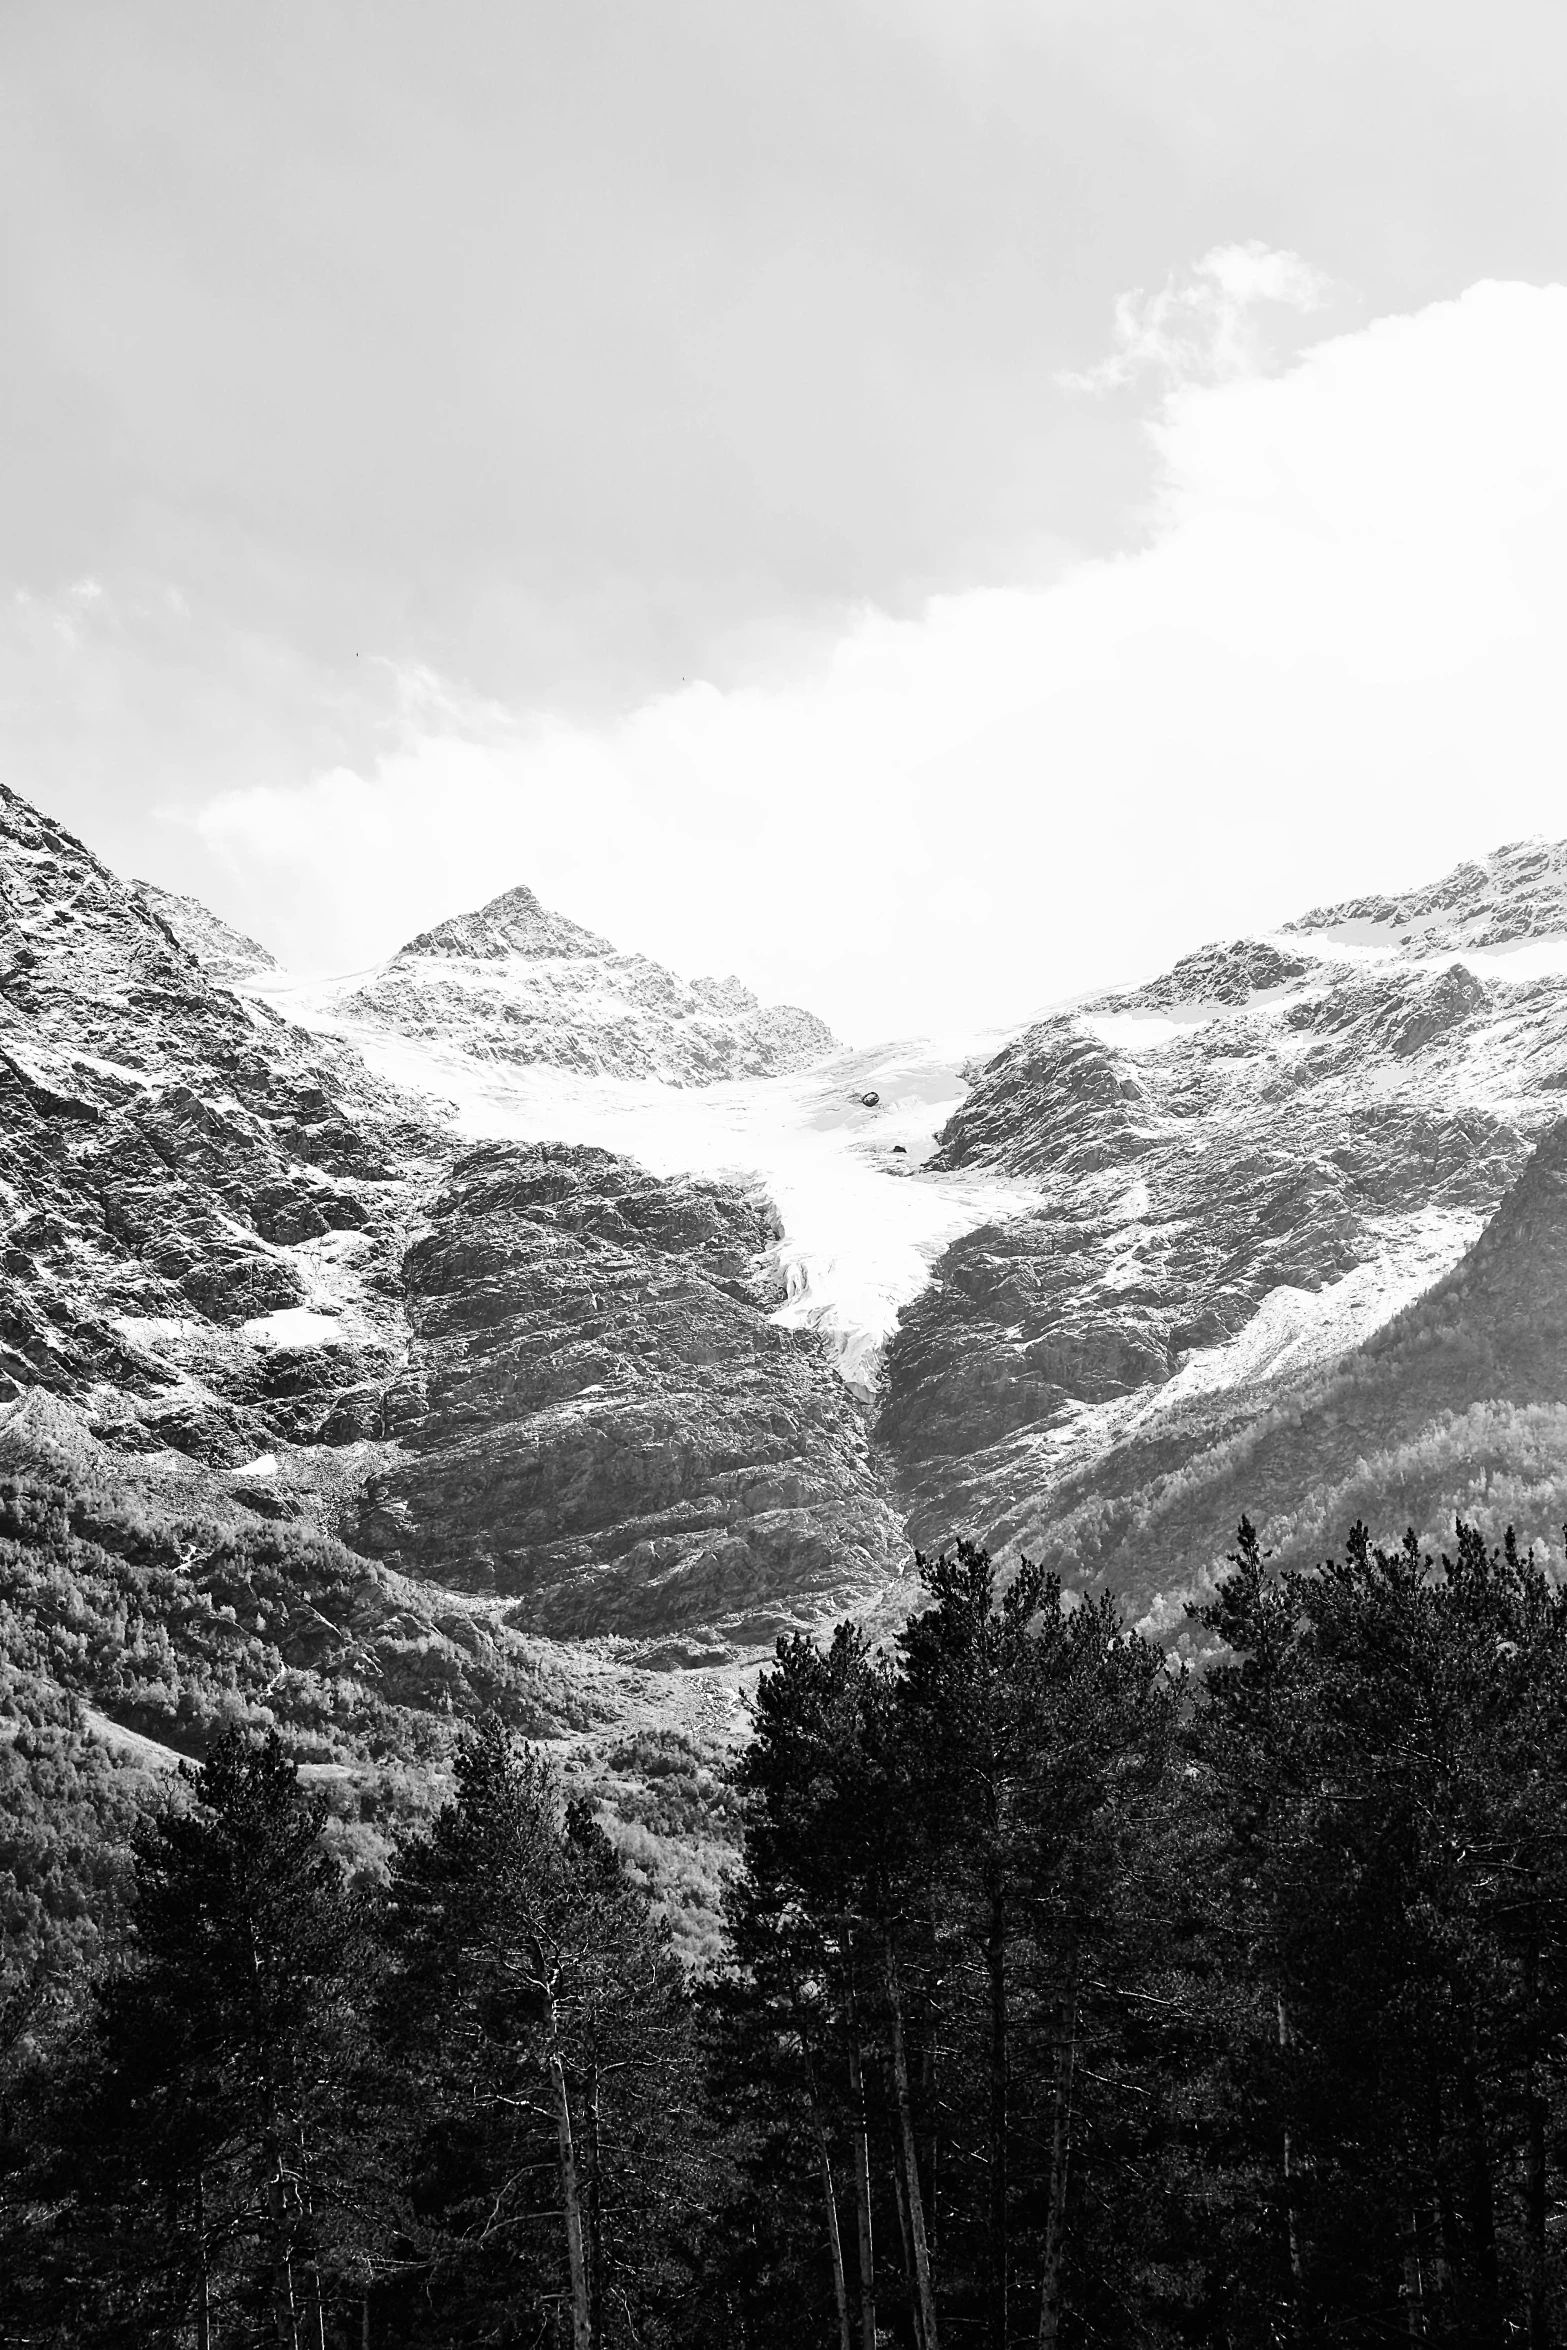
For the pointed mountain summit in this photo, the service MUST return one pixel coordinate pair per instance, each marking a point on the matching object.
(515, 982)
(515, 923)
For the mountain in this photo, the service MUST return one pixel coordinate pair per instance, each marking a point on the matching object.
(1503, 900)
(517, 984)
(521, 1325)
(1246, 1168)
(1456, 1406)
(314, 1407)
(267, 1277)
(605, 1429)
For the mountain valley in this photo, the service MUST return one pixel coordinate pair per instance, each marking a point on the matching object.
(520, 1324)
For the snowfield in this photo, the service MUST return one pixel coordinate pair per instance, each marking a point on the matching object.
(863, 1219)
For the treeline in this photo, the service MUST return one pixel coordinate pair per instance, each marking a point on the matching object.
(1067, 1999)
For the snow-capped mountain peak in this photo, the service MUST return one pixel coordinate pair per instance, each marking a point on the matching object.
(516, 984)
(514, 923)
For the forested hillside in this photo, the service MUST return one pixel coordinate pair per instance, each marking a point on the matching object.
(1065, 1997)
(131, 1635)
(1453, 1409)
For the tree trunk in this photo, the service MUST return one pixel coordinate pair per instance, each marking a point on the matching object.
(840, 2283)
(1482, 2208)
(925, 2299)
(1060, 2160)
(862, 2197)
(1536, 2197)
(316, 2317)
(996, 1968)
(932, 2139)
(1291, 2232)
(1414, 2280)
(203, 2276)
(571, 2203)
(285, 2313)
(595, 2214)
(901, 2205)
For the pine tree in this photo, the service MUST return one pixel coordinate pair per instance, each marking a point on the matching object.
(1389, 1750)
(935, 1920)
(1035, 1739)
(808, 1926)
(208, 2149)
(542, 2068)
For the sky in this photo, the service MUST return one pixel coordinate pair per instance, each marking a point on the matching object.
(929, 504)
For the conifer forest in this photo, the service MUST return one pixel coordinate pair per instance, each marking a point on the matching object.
(1065, 1998)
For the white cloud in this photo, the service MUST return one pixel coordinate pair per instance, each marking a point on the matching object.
(1204, 329)
(1336, 666)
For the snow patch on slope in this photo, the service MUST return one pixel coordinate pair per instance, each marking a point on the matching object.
(293, 1326)
(1518, 961)
(1296, 1330)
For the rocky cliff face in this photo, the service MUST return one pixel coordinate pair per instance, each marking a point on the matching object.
(517, 984)
(1515, 895)
(601, 1423)
(1246, 1168)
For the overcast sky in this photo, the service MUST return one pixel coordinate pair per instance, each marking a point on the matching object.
(927, 503)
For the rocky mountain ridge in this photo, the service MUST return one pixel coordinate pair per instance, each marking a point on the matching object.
(1519, 892)
(1247, 1168)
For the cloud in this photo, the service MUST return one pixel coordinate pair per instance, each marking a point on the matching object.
(1205, 328)
(1334, 667)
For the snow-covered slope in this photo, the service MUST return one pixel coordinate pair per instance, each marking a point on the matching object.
(864, 1216)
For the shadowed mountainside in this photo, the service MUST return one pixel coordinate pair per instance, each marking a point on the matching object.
(1457, 1407)
(1248, 1166)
